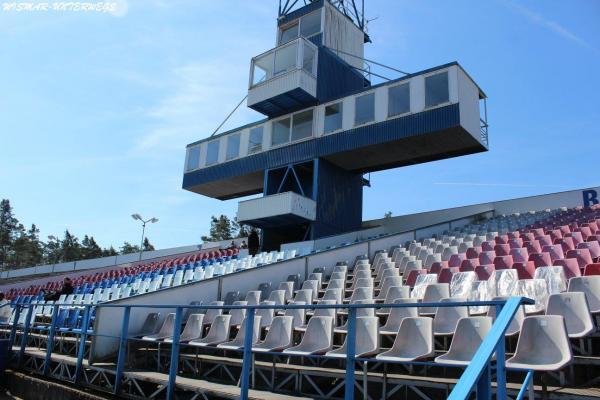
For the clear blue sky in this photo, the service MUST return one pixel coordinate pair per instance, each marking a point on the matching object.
(96, 108)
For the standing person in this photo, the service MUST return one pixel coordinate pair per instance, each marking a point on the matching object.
(5, 310)
(253, 243)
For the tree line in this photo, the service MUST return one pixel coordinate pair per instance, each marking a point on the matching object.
(224, 228)
(21, 247)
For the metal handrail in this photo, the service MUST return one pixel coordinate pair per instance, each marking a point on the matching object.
(477, 373)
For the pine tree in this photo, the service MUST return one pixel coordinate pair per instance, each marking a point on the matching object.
(128, 248)
(70, 247)
(147, 245)
(220, 229)
(53, 251)
(9, 231)
(89, 248)
(109, 252)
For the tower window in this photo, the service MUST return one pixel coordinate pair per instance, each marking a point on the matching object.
(281, 131)
(233, 146)
(256, 138)
(436, 89)
(302, 125)
(306, 26)
(399, 100)
(212, 152)
(333, 117)
(193, 160)
(365, 109)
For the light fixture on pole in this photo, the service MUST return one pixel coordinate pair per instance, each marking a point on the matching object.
(138, 217)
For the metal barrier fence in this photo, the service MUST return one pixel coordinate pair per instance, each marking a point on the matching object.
(477, 376)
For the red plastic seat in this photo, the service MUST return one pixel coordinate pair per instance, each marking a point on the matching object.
(571, 267)
(412, 276)
(582, 256)
(593, 247)
(473, 252)
(502, 249)
(591, 269)
(484, 272)
(456, 260)
(556, 252)
(577, 237)
(538, 231)
(469, 265)
(540, 259)
(519, 254)
(487, 246)
(514, 235)
(545, 240)
(555, 234)
(501, 239)
(503, 262)
(487, 257)
(566, 243)
(445, 275)
(533, 246)
(585, 231)
(437, 266)
(527, 236)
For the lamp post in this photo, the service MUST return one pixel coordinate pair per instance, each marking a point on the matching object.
(138, 217)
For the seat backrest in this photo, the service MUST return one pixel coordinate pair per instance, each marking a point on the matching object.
(212, 313)
(461, 282)
(277, 296)
(304, 295)
(366, 339)
(414, 338)
(266, 313)
(554, 276)
(298, 314)
(319, 334)
(280, 333)
(397, 314)
(515, 324)
(238, 314)
(590, 286)
(333, 294)
(219, 329)
(326, 312)
(468, 336)
(193, 327)
(230, 297)
(150, 324)
(433, 293)
(535, 289)
(288, 287)
(573, 307)
(446, 318)
(253, 297)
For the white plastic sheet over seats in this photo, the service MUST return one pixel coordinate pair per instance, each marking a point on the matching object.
(535, 289)
(502, 282)
(479, 292)
(461, 283)
(421, 284)
(554, 277)
(543, 344)
(413, 341)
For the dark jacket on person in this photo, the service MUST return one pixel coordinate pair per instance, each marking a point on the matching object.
(54, 296)
(253, 243)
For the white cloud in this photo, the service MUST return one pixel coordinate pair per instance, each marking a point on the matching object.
(547, 23)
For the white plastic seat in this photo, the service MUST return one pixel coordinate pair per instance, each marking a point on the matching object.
(288, 287)
(192, 330)
(397, 315)
(446, 319)
(213, 313)
(432, 258)
(304, 295)
(313, 285)
(366, 340)
(543, 344)
(279, 336)
(590, 285)
(166, 329)
(332, 294)
(337, 276)
(574, 309)
(340, 269)
(393, 293)
(433, 293)
(361, 293)
(515, 324)
(387, 283)
(467, 338)
(199, 274)
(217, 334)
(238, 341)
(317, 339)
(554, 276)
(253, 297)
(316, 276)
(299, 315)
(448, 251)
(321, 312)
(414, 341)
(278, 297)
(266, 314)
(360, 312)
(534, 289)
(237, 314)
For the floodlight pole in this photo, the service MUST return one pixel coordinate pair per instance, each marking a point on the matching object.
(144, 222)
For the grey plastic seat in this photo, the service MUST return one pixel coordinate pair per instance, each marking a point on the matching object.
(212, 313)
(288, 288)
(387, 283)
(230, 297)
(467, 338)
(166, 329)
(278, 337)
(543, 344)
(237, 314)
(321, 312)
(294, 278)
(278, 297)
(265, 288)
(150, 325)
(298, 314)
(313, 286)
(253, 297)
(336, 276)
(397, 314)
(316, 276)
(333, 294)
(192, 330)
(446, 318)
(317, 339)
(433, 293)
(340, 269)
(515, 324)
(366, 340)
(360, 312)
(590, 286)
(266, 314)
(238, 341)
(336, 284)
(393, 293)
(572, 306)
(217, 334)
(414, 341)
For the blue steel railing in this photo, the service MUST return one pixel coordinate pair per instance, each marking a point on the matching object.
(477, 376)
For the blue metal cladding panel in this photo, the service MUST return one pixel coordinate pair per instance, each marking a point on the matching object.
(315, 5)
(391, 130)
(316, 39)
(285, 103)
(339, 200)
(335, 77)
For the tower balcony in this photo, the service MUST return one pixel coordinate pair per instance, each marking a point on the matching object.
(277, 210)
(284, 79)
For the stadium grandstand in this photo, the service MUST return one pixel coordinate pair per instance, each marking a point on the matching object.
(492, 300)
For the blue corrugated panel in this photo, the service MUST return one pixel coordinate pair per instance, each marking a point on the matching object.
(335, 77)
(391, 130)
